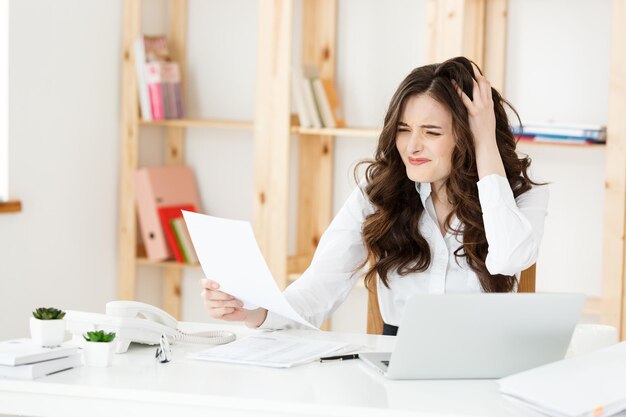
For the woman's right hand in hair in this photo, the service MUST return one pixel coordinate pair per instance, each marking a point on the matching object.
(226, 307)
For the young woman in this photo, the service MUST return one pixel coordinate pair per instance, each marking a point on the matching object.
(446, 206)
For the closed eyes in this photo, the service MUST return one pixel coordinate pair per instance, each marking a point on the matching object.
(405, 129)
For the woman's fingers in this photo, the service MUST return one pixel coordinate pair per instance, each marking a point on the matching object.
(238, 314)
(209, 284)
(228, 313)
(216, 295)
(466, 100)
(484, 86)
(481, 95)
(221, 304)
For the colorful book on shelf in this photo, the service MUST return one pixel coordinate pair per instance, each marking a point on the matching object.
(173, 95)
(323, 104)
(148, 49)
(184, 240)
(156, 48)
(327, 101)
(154, 79)
(167, 215)
(157, 187)
(297, 88)
(563, 131)
(142, 85)
(333, 101)
(562, 140)
(309, 73)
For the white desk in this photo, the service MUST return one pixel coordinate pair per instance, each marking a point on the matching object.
(137, 385)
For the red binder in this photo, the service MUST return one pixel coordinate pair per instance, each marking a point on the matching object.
(166, 215)
(161, 187)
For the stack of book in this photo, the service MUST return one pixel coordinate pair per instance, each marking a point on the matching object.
(158, 79)
(162, 193)
(577, 134)
(23, 359)
(316, 99)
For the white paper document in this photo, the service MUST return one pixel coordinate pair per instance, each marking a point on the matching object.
(230, 256)
(592, 384)
(270, 349)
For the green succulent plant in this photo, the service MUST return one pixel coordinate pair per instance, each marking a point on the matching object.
(48, 313)
(99, 336)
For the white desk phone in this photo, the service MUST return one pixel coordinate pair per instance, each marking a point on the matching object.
(125, 319)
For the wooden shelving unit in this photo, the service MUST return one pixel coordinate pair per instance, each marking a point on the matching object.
(130, 125)
(473, 28)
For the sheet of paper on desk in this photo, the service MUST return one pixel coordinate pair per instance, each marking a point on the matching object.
(592, 384)
(230, 255)
(271, 349)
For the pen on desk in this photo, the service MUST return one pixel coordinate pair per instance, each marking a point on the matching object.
(340, 358)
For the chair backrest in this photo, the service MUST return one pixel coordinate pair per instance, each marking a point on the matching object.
(375, 320)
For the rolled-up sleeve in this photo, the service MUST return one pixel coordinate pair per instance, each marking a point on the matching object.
(513, 226)
(331, 275)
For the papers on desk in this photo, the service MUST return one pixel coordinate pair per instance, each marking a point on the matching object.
(592, 384)
(229, 255)
(273, 350)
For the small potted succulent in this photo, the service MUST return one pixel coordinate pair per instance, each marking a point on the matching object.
(99, 348)
(47, 327)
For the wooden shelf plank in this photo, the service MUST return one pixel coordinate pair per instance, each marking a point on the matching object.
(147, 262)
(13, 206)
(339, 131)
(206, 123)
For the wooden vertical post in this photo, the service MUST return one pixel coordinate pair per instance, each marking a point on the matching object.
(272, 133)
(315, 153)
(456, 27)
(494, 62)
(129, 154)
(315, 159)
(614, 268)
(474, 24)
(175, 144)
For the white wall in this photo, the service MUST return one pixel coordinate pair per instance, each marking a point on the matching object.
(64, 116)
(4, 101)
(556, 71)
(64, 113)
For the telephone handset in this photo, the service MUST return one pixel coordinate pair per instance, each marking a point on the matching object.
(133, 321)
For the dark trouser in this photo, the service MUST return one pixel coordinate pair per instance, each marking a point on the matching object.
(389, 330)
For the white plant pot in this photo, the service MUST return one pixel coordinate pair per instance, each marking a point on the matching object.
(99, 354)
(47, 333)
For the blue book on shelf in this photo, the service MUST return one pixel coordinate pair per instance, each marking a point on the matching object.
(561, 132)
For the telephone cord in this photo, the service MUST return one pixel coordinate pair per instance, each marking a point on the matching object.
(215, 337)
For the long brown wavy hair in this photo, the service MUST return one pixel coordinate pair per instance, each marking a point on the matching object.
(391, 234)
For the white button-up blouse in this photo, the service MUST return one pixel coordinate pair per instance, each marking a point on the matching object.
(513, 227)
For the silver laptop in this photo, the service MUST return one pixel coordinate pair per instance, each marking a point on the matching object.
(479, 335)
